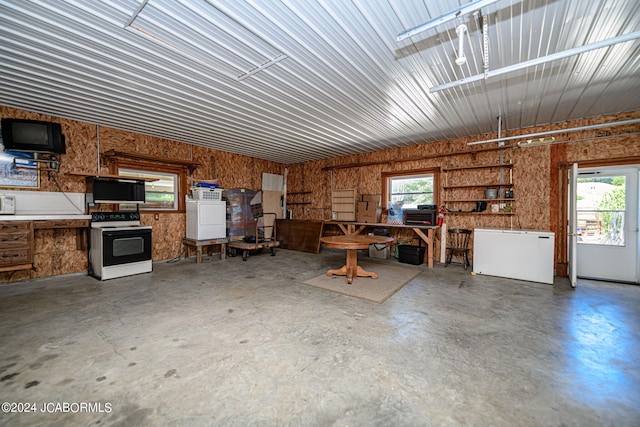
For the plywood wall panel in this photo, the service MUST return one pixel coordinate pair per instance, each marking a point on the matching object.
(531, 178)
(168, 231)
(318, 181)
(533, 170)
(55, 250)
(235, 171)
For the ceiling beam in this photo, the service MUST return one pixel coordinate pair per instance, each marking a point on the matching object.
(556, 131)
(463, 10)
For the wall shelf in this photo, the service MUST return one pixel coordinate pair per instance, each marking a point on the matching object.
(479, 200)
(490, 185)
(299, 196)
(113, 155)
(112, 177)
(479, 213)
(462, 168)
(462, 190)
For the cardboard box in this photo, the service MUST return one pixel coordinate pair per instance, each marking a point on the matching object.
(376, 198)
(368, 212)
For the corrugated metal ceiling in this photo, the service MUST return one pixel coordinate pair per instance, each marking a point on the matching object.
(299, 80)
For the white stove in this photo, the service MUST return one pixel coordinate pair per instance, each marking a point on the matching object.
(120, 245)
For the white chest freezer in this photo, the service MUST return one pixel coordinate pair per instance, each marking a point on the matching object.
(206, 219)
(515, 254)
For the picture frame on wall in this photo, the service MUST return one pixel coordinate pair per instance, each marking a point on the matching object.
(19, 170)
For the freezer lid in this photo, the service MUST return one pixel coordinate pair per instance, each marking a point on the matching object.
(512, 231)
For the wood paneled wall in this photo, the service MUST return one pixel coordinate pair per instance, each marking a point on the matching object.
(535, 171)
(536, 180)
(56, 251)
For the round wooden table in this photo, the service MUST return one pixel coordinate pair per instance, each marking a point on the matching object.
(351, 243)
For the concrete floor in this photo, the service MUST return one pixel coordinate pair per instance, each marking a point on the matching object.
(233, 343)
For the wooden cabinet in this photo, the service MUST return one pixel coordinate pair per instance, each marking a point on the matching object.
(343, 205)
(17, 240)
(16, 245)
(466, 186)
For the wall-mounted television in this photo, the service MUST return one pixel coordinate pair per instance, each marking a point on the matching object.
(33, 136)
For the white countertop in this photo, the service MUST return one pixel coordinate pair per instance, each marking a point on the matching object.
(42, 217)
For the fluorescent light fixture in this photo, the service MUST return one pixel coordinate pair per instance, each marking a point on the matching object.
(463, 10)
(536, 141)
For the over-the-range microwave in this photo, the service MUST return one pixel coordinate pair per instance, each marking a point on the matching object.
(115, 191)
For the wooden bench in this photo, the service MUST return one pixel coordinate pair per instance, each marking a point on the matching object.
(199, 244)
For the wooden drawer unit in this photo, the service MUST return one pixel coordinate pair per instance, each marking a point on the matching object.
(16, 245)
(12, 257)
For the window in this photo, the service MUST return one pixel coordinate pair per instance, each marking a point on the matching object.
(601, 210)
(412, 188)
(161, 190)
(169, 176)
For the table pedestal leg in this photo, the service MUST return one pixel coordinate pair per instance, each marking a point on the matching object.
(352, 269)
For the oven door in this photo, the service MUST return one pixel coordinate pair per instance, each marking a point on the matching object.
(125, 246)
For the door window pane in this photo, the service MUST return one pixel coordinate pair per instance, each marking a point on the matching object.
(601, 210)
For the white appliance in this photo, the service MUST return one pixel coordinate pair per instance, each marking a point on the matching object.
(7, 204)
(120, 246)
(515, 254)
(206, 219)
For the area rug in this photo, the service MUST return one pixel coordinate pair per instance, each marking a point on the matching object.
(390, 280)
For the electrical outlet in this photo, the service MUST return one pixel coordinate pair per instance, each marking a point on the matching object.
(156, 217)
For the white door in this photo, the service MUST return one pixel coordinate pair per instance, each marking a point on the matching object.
(572, 232)
(607, 223)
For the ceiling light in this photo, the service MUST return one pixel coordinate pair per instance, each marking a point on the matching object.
(536, 141)
(461, 58)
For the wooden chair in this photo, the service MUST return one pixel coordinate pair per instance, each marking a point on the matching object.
(458, 244)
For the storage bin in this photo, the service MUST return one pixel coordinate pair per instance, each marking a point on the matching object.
(379, 252)
(206, 193)
(409, 254)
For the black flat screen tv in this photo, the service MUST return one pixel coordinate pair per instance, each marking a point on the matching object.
(33, 136)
